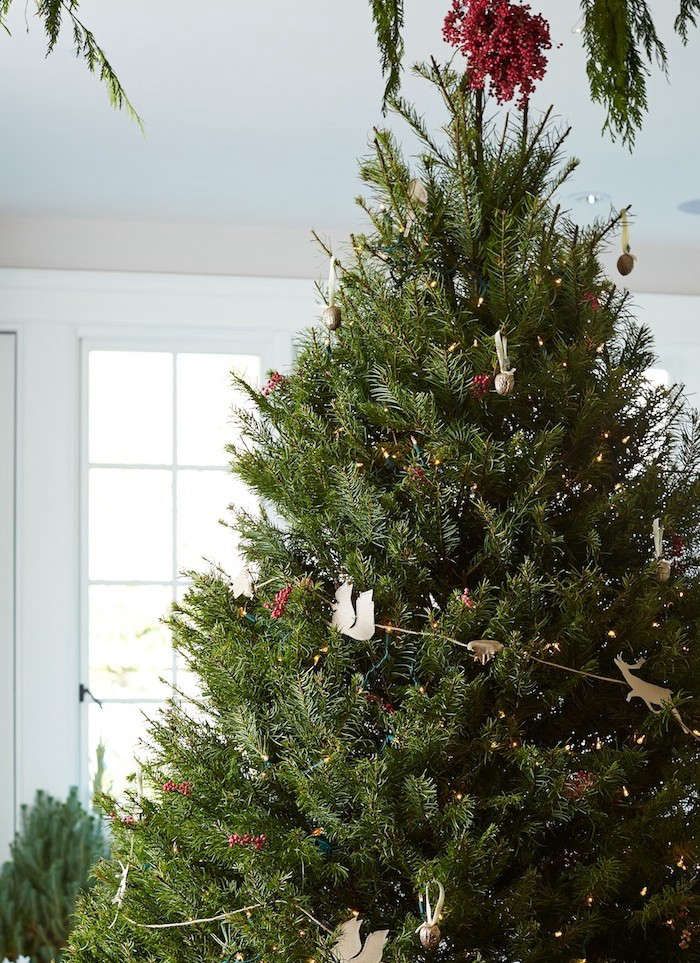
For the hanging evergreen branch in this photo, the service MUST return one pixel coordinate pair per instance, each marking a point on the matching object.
(388, 24)
(621, 44)
(53, 13)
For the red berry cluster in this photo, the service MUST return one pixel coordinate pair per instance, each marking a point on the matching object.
(683, 927)
(386, 706)
(591, 299)
(417, 473)
(480, 385)
(274, 381)
(125, 819)
(280, 603)
(579, 783)
(677, 545)
(257, 842)
(184, 788)
(503, 40)
(466, 599)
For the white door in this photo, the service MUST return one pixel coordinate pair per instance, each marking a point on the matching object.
(7, 590)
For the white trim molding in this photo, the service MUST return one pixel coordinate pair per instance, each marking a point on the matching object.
(8, 807)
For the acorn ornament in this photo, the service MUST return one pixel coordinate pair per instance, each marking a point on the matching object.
(504, 382)
(663, 566)
(429, 931)
(331, 316)
(625, 262)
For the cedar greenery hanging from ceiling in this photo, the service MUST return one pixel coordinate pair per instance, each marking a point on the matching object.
(620, 38)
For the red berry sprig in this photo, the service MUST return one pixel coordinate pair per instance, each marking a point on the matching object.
(466, 599)
(257, 842)
(591, 299)
(502, 40)
(183, 788)
(274, 381)
(280, 602)
(417, 473)
(480, 385)
(382, 703)
(579, 783)
(677, 545)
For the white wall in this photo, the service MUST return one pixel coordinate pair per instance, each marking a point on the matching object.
(7, 588)
(675, 322)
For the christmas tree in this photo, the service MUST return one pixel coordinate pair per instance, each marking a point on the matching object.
(51, 860)
(429, 674)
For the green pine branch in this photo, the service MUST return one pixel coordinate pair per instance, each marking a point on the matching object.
(53, 14)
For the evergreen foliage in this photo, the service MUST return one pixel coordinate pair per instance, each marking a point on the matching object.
(621, 42)
(560, 818)
(51, 859)
(53, 15)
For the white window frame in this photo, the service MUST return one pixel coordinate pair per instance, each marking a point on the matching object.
(53, 313)
(238, 344)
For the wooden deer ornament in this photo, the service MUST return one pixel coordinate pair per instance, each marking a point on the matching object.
(655, 697)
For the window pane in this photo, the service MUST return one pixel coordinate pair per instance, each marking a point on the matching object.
(203, 498)
(131, 407)
(119, 728)
(130, 648)
(130, 524)
(205, 400)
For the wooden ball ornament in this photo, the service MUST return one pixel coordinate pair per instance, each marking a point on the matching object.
(331, 317)
(663, 570)
(625, 264)
(504, 382)
(429, 935)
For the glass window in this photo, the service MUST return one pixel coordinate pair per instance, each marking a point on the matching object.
(159, 491)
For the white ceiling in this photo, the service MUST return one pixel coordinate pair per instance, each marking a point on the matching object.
(255, 114)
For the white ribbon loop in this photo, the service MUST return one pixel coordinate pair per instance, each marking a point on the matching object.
(625, 234)
(332, 281)
(502, 352)
(658, 534)
(432, 917)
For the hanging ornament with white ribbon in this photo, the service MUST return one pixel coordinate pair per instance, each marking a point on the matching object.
(625, 262)
(663, 566)
(504, 382)
(429, 931)
(331, 316)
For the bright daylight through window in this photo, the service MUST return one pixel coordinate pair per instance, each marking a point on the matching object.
(157, 485)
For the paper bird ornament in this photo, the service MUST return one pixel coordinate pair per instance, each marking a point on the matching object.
(348, 946)
(655, 697)
(484, 650)
(243, 584)
(355, 621)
